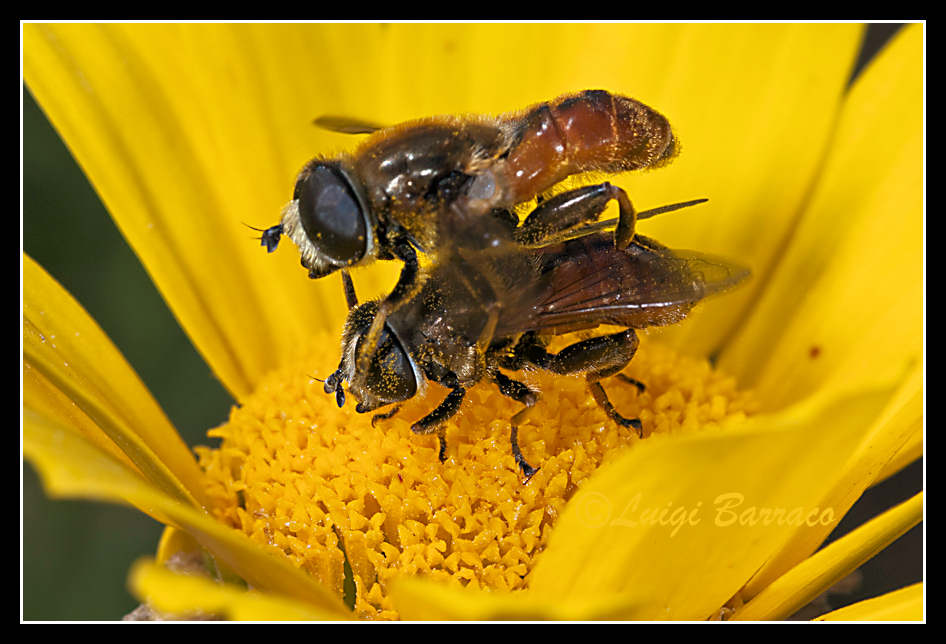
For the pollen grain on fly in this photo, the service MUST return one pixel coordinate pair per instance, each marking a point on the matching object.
(327, 487)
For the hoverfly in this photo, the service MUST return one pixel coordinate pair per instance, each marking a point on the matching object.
(488, 311)
(442, 183)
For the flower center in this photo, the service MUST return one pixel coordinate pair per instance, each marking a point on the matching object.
(357, 504)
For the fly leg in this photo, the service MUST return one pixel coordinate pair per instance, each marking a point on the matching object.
(384, 415)
(597, 358)
(520, 393)
(572, 208)
(407, 284)
(434, 421)
(641, 387)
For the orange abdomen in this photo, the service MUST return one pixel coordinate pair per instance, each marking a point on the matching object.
(590, 131)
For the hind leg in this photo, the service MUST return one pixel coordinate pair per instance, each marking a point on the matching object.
(570, 209)
(597, 358)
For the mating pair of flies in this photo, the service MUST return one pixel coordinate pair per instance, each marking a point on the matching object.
(495, 289)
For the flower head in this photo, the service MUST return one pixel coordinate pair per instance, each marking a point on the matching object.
(187, 130)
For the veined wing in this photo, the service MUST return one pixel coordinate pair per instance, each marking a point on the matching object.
(346, 124)
(587, 282)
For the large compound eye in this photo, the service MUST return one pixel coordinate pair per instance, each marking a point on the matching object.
(331, 215)
(390, 376)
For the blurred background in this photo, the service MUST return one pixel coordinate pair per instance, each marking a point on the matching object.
(75, 555)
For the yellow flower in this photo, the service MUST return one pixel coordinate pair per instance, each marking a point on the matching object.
(186, 131)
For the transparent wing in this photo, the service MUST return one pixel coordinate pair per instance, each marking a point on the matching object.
(346, 124)
(586, 282)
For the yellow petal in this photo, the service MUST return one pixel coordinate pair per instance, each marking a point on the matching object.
(902, 423)
(176, 543)
(845, 305)
(793, 590)
(681, 524)
(894, 429)
(41, 396)
(173, 127)
(898, 432)
(72, 467)
(73, 373)
(905, 604)
(910, 452)
(754, 106)
(192, 596)
(418, 598)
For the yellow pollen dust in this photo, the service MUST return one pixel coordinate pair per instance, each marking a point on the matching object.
(356, 505)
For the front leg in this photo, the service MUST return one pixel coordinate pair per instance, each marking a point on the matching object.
(407, 285)
(570, 209)
(520, 393)
(384, 415)
(434, 421)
